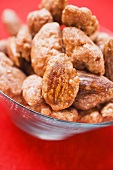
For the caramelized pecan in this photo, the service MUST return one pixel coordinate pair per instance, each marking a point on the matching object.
(60, 82)
(82, 51)
(36, 19)
(47, 43)
(81, 18)
(32, 90)
(93, 90)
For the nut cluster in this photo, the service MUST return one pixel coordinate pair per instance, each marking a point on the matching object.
(63, 72)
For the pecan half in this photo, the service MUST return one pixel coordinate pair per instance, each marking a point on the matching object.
(11, 80)
(36, 19)
(82, 51)
(60, 82)
(47, 43)
(93, 90)
(81, 18)
(32, 90)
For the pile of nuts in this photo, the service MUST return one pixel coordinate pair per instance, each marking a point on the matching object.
(59, 63)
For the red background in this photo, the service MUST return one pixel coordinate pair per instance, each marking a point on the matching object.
(88, 151)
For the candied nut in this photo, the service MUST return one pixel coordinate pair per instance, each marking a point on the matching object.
(60, 82)
(46, 43)
(55, 7)
(82, 51)
(37, 19)
(90, 116)
(81, 18)
(23, 42)
(101, 40)
(3, 46)
(4, 59)
(12, 51)
(11, 21)
(11, 80)
(93, 90)
(108, 57)
(69, 114)
(32, 90)
(107, 111)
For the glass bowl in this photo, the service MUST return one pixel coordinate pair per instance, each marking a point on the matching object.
(41, 126)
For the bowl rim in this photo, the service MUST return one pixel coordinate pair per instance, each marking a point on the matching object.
(59, 121)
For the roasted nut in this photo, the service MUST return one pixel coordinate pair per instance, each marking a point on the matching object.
(60, 82)
(101, 40)
(46, 43)
(107, 111)
(93, 90)
(4, 59)
(90, 116)
(23, 42)
(82, 51)
(11, 21)
(81, 18)
(55, 7)
(108, 57)
(16, 56)
(37, 19)
(32, 90)
(3, 46)
(11, 80)
(69, 114)
(12, 51)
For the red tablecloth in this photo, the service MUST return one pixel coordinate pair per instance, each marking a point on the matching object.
(88, 151)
